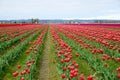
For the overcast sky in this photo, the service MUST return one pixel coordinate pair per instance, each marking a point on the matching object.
(60, 9)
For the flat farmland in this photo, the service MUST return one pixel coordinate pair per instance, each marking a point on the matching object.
(59, 51)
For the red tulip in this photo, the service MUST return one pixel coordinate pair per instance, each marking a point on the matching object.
(65, 55)
(75, 74)
(28, 62)
(28, 71)
(73, 62)
(59, 55)
(118, 69)
(63, 76)
(67, 59)
(19, 66)
(103, 58)
(21, 73)
(70, 68)
(76, 70)
(76, 65)
(24, 72)
(118, 59)
(27, 52)
(61, 61)
(90, 77)
(30, 48)
(28, 65)
(35, 49)
(105, 65)
(32, 60)
(82, 77)
(15, 74)
(113, 58)
(71, 75)
(64, 69)
(22, 78)
(76, 54)
(119, 76)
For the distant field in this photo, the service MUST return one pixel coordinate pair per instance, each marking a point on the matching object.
(59, 51)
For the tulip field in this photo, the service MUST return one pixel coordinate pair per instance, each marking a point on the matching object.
(59, 51)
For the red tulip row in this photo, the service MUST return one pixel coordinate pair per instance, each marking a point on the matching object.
(95, 33)
(12, 25)
(8, 33)
(106, 57)
(26, 69)
(68, 67)
(15, 54)
(80, 41)
(98, 35)
(7, 45)
(87, 45)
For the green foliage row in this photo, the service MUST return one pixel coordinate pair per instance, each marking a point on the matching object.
(95, 63)
(10, 56)
(9, 43)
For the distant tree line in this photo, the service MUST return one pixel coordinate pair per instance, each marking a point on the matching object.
(36, 21)
(33, 21)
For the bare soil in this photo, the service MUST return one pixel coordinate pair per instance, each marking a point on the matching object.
(44, 69)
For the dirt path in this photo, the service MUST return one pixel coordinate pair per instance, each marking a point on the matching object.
(44, 70)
